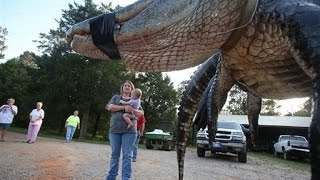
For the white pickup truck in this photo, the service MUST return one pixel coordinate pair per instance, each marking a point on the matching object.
(291, 145)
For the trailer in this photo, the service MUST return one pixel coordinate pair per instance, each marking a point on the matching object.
(158, 139)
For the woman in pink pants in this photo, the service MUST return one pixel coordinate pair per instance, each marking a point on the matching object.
(36, 117)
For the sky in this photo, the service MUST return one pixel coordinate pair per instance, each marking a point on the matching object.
(26, 19)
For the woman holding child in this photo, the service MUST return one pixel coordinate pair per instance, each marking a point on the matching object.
(119, 135)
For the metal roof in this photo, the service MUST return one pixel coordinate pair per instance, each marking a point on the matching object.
(282, 121)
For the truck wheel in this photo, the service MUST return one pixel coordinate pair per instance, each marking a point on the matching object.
(242, 157)
(148, 144)
(167, 145)
(286, 156)
(201, 152)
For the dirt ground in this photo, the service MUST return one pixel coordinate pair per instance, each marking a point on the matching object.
(52, 159)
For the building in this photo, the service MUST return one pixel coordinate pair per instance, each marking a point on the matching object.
(270, 127)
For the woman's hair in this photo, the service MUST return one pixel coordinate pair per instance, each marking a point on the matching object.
(127, 81)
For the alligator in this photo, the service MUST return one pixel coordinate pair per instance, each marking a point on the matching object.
(270, 48)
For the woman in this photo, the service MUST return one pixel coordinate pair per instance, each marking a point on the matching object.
(7, 112)
(35, 117)
(71, 124)
(119, 135)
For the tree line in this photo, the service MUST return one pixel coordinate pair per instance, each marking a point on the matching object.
(237, 105)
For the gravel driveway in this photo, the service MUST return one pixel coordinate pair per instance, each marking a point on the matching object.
(53, 159)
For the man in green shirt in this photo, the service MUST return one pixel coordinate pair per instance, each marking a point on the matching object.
(72, 123)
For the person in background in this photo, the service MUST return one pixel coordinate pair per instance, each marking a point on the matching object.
(7, 112)
(71, 124)
(121, 139)
(35, 117)
(140, 130)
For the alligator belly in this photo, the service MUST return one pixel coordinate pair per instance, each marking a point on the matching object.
(263, 63)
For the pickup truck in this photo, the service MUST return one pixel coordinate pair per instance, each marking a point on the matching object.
(229, 139)
(292, 145)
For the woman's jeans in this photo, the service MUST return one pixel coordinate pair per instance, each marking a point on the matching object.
(70, 132)
(118, 141)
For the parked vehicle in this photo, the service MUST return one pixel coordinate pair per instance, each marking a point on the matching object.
(229, 139)
(291, 145)
(159, 140)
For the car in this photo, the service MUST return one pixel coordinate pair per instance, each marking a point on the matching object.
(292, 146)
(230, 138)
(159, 140)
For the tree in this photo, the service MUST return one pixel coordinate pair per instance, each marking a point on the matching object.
(270, 107)
(159, 99)
(55, 41)
(3, 47)
(28, 59)
(13, 78)
(305, 109)
(237, 103)
(15, 82)
(182, 87)
(75, 80)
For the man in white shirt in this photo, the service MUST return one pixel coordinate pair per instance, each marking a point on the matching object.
(7, 112)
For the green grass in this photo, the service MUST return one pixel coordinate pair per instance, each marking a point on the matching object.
(296, 164)
(55, 135)
(18, 130)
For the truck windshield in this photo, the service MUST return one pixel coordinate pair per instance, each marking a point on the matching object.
(297, 138)
(228, 125)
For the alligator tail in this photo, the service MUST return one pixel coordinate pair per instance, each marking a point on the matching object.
(189, 103)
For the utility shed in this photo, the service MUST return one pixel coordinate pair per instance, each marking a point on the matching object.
(270, 127)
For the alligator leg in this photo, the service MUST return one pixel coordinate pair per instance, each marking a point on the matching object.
(254, 108)
(213, 100)
(201, 119)
(207, 104)
(314, 133)
(189, 103)
(216, 98)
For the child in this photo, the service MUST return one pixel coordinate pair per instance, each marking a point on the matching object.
(135, 103)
